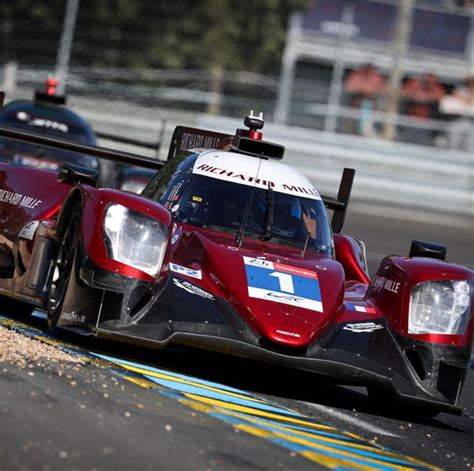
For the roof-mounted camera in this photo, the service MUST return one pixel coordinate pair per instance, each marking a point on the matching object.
(254, 124)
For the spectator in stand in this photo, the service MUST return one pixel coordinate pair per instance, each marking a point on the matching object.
(363, 87)
(460, 106)
(422, 96)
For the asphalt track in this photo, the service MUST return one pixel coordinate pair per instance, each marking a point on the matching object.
(186, 409)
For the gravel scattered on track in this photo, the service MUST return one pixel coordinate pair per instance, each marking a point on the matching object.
(26, 352)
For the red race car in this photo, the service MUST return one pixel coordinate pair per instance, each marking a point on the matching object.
(230, 250)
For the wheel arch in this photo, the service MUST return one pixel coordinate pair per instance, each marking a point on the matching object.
(73, 199)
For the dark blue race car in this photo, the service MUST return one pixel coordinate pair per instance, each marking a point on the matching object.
(47, 115)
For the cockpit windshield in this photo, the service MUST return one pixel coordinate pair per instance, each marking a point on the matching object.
(279, 218)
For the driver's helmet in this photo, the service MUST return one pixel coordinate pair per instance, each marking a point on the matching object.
(193, 208)
(227, 206)
(286, 217)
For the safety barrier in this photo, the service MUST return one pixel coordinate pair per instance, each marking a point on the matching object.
(387, 172)
(391, 173)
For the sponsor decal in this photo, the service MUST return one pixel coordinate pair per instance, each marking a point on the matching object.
(176, 233)
(17, 199)
(34, 162)
(363, 327)
(41, 122)
(28, 231)
(231, 175)
(282, 283)
(240, 171)
(258, 262)
(73, 317)
(355, 307)
(192, 141)
(287, 297)
(186, 271)
(289, 334)
(193, 289)
(380, 282)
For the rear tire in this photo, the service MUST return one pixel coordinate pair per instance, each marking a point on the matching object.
(62, 269)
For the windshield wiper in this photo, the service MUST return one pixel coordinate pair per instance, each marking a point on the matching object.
(240, 234)
(268, 234)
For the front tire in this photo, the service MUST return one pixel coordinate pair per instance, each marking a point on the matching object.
(62, 269)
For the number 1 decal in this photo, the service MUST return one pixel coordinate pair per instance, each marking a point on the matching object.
(286, 281)
(284, 284)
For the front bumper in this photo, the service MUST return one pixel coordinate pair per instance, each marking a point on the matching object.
(412, 372)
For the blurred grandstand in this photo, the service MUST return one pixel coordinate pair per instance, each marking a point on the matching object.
(320, 40)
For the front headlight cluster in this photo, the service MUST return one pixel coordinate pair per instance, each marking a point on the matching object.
(135, 239)
(439, 307)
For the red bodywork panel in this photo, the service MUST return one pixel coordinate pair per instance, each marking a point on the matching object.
(28, 194)
(95, 203)
(350, 255)
(221, 262)
(391, 288)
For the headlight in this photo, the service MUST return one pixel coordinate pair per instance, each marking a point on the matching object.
(439, 307)
(135, 239)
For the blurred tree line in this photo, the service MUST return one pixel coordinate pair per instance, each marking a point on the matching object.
(207, 34)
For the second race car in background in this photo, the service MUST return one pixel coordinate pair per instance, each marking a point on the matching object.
(48, 115)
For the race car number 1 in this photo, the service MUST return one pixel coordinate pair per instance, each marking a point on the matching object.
(286, 281)
(284, 284)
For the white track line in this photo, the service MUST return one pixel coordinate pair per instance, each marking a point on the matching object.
(351, 419)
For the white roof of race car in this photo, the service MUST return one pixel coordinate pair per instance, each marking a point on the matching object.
(252, 171)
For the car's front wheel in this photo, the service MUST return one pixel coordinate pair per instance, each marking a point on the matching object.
(62, 269)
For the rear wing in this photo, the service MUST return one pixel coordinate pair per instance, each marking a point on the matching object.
(192, 138)
(340, 203)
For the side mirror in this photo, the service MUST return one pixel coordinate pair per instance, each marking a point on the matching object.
(70, 173)
(420, 248)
